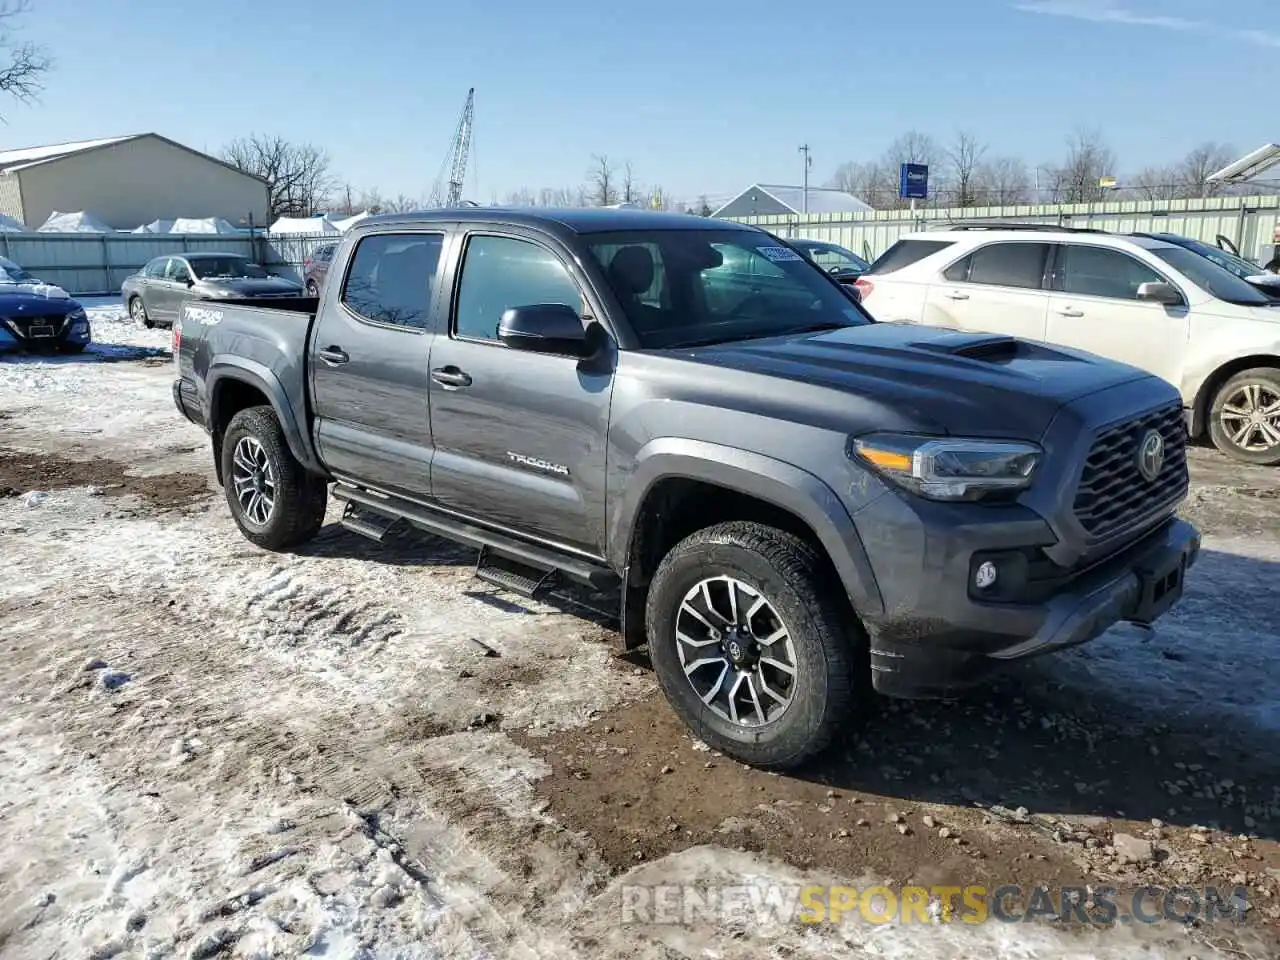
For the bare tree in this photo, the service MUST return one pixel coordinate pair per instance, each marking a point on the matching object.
(22, 65)
(521, 198)
(402, 204)
(964, 155)
(1154, 183)
(1089, 159)
(631, 189)
(297, 174)
(1002, 181)
(870, 182)
(703, 208)
(1192, 174)
(602, 179)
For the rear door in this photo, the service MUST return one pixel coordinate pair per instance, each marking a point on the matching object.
(998, 287)
(519, 437)
(1094, 306)
(369, 355)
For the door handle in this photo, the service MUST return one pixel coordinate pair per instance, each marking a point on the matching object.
(334, 355)
(451, 378)
(1070, 312)
(956, 295)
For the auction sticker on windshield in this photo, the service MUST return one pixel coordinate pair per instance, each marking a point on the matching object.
(778, 254)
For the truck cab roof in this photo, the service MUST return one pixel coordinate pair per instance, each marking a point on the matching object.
(576, 219)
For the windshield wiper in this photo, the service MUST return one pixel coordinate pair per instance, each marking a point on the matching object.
(814, 328)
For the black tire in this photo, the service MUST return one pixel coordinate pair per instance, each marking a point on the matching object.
(298, 503)
(71, 347)
(1264, 382)
(312, 289)
(138, 312)
(830, 651)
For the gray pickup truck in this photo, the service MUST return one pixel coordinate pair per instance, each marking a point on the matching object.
(793, 503)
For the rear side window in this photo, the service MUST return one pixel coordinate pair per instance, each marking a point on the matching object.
(906, 252)
(1097, 272)
(1007, 265)
(392, 277)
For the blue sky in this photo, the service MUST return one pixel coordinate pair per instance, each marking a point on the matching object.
(700, 97)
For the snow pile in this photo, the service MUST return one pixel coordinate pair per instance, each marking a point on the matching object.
(79, 222)
(304, 226)
(347, 223)
(10, 225)
(203, 225)
(155, 226)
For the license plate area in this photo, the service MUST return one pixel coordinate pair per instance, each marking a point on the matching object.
(43, 330)
(1161, 589)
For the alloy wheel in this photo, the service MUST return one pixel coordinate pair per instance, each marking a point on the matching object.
(735, 651)
(253, 480)
(1251, 417)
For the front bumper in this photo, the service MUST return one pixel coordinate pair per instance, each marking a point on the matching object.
(44, 333)
(960, 641)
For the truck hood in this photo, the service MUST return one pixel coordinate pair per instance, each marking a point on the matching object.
(253, 286)
(972, 384)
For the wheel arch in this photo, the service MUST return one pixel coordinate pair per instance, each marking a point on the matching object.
(236, 383)
(1209, 388)
(679, 486)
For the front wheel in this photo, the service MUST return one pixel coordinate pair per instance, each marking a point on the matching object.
(1244, 420)
(276, 503)
(750, 645)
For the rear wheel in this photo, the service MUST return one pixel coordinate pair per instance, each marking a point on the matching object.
(1244, 420)
(750, 645)
(276, 503)
(138, 313)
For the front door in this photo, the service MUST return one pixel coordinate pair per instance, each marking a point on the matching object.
(369, 356)
(519, 437)
(998, 288)
(167, 293)
(1095, 307)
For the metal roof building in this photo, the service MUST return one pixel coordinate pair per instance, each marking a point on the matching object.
(771, 199)
(126, 181)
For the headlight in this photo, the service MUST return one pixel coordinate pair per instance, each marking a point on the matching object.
(77, 315)
(946, 468)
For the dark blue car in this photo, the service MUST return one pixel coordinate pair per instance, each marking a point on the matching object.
(35, 316)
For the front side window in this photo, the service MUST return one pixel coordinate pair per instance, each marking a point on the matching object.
(499, 273)
(392, 278)
(1099, 272)
(833, 256)
(717, 285)
(1211, 277)
(1009, 265)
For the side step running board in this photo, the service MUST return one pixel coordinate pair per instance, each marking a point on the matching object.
(525, 554)
(513, 575)
(367, 523)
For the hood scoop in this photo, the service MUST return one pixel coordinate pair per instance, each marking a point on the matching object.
(992, 347)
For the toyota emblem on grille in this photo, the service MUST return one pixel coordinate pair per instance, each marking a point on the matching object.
(1151, 455)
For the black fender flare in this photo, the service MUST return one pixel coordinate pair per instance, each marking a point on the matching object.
(781, 484)
(227, 369)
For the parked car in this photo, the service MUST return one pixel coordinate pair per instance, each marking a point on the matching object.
(1140, 300)
(153, 294)
(790, 501)
(316, 267)
(1246, 270)
(35, 315)
(845, 265)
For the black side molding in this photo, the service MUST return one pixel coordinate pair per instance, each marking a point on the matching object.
(531, 554)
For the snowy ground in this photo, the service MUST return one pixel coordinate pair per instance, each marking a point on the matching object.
(358, 751)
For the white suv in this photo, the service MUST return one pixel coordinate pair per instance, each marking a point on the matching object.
(1139, 300)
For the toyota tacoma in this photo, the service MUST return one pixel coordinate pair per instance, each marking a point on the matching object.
(793, 503)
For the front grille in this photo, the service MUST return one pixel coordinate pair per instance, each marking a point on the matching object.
(25, 322)
(1113, 493)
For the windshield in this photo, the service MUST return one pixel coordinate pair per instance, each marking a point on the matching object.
(828, 255)
(225, 268)
(694, 287)
(1209, 276)
(1228, 261)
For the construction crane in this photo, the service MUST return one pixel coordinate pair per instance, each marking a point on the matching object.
(448, 193)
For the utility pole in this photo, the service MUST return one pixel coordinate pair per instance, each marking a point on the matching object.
(808, 162)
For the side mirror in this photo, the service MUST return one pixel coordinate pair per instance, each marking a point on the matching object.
(1165, 293)
(544, 328)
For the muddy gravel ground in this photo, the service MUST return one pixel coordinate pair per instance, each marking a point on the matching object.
(358, 750)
